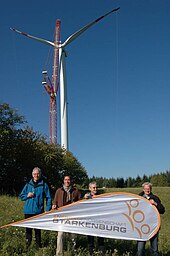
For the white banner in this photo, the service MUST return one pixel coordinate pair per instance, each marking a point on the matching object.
(113, 215)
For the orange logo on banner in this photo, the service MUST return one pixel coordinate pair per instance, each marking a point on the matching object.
(136, 216)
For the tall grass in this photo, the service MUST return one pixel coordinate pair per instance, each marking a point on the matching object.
(12, 239)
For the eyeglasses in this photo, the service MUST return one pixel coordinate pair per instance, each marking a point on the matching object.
(94, 187)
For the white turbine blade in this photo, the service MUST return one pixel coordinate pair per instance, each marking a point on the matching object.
(33, 37)
(78, 33)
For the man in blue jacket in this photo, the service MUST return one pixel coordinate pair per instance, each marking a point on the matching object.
(33, 194)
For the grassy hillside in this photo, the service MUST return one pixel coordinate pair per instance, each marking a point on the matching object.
(12, 239)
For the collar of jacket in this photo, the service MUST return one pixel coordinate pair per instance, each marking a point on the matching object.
(142, 194)
(71, 190)
(37, 184)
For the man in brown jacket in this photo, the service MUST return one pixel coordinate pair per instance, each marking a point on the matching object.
(67, 194)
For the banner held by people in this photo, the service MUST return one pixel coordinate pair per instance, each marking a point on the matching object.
(114, 215)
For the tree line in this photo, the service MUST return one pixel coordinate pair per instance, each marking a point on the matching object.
(161, 179)
(21, 149)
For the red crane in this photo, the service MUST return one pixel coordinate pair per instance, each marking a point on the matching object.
(52, 87)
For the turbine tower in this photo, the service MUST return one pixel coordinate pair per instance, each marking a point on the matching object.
(59, 76)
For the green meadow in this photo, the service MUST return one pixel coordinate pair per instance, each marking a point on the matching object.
(12, 239)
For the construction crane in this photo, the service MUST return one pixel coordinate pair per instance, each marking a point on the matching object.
(52, 87)
(53, 110)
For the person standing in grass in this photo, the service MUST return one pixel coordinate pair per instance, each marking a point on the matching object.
(100, 240)
(34, 193)
(154, 200)
(65, 195)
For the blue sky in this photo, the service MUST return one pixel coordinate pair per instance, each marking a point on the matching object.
(118, 78)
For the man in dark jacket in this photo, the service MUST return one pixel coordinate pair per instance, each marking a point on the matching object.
(100, 240)
(33, 194)
(65, 195)
(154, 200)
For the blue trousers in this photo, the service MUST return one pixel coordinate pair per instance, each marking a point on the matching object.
(153, 246)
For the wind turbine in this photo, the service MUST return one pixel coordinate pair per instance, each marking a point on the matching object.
(60, 66)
